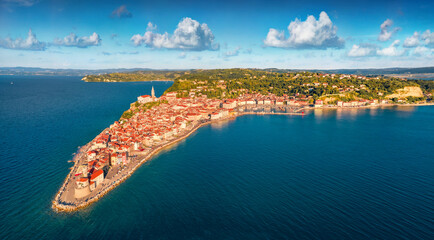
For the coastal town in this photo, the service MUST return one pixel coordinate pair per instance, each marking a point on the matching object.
(196, 120)
(118, 150)
(153, 123)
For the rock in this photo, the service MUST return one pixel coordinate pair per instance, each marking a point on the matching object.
(407, 92)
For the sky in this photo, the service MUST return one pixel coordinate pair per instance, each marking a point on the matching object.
(189, 34)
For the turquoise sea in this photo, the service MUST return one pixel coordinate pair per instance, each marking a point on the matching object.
(331, 174)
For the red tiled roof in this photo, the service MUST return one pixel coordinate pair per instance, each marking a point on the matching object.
(82, 180)
(96, 174)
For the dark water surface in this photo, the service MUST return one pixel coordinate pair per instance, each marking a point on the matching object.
(353, 174)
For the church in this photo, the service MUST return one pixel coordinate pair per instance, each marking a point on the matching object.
(146, 98)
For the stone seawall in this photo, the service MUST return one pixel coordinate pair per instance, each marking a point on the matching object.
(59, 206)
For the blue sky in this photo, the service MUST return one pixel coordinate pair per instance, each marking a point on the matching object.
(219, 34)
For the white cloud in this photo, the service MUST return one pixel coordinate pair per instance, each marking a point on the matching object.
(189, 35)
(412, 41)
(385, 34)
(392, 50)
(30, 43)
(232, 53)
(422, 51)
(82, 42)
(365, 49)
(428, 38)
(312, 33)
(151, 27)
(362, 50)
(275, 39)
(423, 43)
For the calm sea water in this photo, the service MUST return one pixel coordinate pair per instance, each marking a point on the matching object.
(353, 174)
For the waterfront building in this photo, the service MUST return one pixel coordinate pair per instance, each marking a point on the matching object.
(124, 158)
(97, 177)
(268, 101)
(215, 115)
(251, 102)
(113, 160)
(230, 103)
(319, 103)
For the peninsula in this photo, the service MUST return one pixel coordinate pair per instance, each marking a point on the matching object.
(199, 97)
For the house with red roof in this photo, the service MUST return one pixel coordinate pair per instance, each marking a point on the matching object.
(97, 177)
(319, 103)
(145, 99)
(82, 182)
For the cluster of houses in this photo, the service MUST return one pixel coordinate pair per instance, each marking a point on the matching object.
(298, 101)
(334, 75)
(142, 132)
(355, 103)
(150, 128)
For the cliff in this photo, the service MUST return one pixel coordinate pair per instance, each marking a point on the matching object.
(407, 92)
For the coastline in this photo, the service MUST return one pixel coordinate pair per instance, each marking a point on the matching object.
(154, 80)
(57, 205)
(66, 208)
(369, 106)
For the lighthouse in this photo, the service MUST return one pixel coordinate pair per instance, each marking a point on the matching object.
(152, 92)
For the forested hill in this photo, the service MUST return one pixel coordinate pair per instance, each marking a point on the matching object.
(137, 76)
(231, 83)
(380, 71)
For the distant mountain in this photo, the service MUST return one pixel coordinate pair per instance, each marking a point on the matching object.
(423, 71)
(63, 72)
(368, 71)
(381, 71)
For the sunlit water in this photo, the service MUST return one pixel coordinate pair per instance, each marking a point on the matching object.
(347, 174)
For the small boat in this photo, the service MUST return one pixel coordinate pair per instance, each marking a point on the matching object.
(12, 83)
